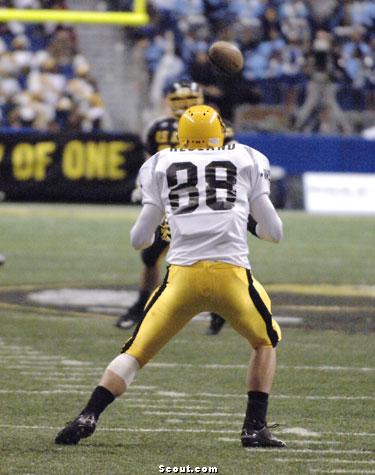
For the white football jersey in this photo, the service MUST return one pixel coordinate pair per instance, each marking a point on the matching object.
(206, 196)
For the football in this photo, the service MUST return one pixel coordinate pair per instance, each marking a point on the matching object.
(226, 57)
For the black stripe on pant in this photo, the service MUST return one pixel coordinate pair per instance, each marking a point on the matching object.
(263, 310)
(145, 311)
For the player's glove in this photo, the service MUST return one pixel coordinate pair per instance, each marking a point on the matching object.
(165, 231)
(251, 225)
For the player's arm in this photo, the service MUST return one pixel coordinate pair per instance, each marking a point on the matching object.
(264, 222)
(149, 150)
(142, 234)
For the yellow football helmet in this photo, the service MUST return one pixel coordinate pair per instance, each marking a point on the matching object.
(183, 94)
(200, 127)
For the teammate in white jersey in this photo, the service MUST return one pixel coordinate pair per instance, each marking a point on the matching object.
(207, 191)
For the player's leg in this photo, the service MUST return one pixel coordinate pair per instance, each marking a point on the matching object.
(247, 308)
(150, 278)
(151, 258)
(330, 99)
(259, 378)
(216, 324)
(169, 309)
(261, 370)
(313, 93)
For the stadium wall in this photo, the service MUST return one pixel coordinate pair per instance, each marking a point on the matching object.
(298, 154)
(102, 167)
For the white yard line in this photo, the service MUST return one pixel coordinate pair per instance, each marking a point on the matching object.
(50, 367)
(197, 431)
(320, 451)
(30, 358)
(192, 414)
(46, 392)
(301, 431)
(56, 368)
(65, 378)
(176, 395)
(244, 366)
(48, 374)
(81, 365)
(178, 430)
(82, 387)
(289, 441)
(329, 398)
(343, 461)
(127, 429)
(276, 396)
(298, 431)
(328, 368)
(355, 434)
(166, 406)
(70, 375)
(342, 471)
(200, 421)
(90, 388)
(137, 398)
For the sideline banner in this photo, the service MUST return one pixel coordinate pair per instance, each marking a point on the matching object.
(98, 167)
(339, 192)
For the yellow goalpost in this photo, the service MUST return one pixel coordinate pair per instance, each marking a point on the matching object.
(136, 17)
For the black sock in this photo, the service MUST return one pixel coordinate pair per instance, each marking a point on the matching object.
(144, 295)
(99, 400)
(256, 410)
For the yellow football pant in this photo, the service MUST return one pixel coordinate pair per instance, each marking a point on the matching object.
(228, 290)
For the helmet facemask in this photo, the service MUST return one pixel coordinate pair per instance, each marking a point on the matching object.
(182, 95)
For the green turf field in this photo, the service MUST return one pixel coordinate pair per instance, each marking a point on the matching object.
(186, 407)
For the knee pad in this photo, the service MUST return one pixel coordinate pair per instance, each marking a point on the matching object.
(125, 366)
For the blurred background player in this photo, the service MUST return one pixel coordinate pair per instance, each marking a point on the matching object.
(321, 94)
(161, 134)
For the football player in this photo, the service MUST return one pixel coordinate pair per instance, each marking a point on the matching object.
(207, 191)
(163, 134)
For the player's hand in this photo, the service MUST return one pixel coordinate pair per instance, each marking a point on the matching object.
(251, 225)
(165, 231)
